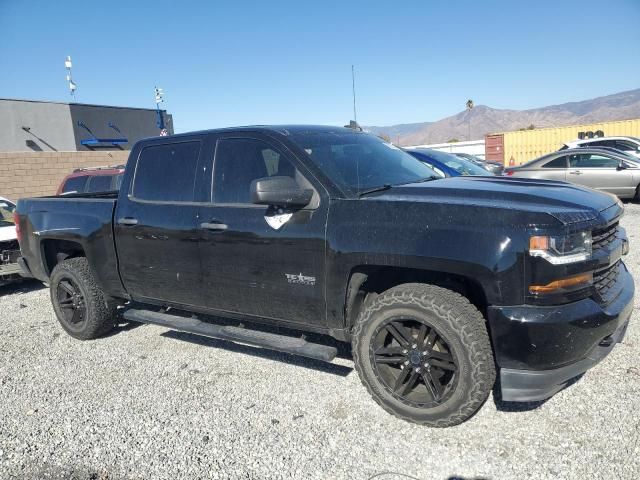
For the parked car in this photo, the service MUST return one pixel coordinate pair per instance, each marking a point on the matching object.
(446, 164)
(600, 168)
(91, 180)
(494, 167)
(630, 145)
(436, 282)
(9, 249)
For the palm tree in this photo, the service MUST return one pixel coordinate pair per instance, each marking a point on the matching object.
(469, 105)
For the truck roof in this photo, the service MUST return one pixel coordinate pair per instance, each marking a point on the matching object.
(282, 129)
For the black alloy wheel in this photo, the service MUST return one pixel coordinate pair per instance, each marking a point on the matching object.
(414, 362)
(72, 303)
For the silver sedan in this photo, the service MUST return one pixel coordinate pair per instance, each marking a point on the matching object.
(600, 168)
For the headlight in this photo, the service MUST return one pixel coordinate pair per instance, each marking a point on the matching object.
(561, 249)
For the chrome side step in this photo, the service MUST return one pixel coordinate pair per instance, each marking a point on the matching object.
(272, 341)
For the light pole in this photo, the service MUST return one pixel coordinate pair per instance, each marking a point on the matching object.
(469, 105)
(72, 86)
(159, 94)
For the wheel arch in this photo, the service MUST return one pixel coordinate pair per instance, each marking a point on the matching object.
(368, 281)
(55, 251)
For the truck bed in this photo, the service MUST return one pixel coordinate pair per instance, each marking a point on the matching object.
(81, 223)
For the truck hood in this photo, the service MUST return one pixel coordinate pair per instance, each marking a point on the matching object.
(7, 233)
(567, 202)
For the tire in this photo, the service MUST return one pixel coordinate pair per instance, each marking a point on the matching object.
(455, 360)
(91, 317)
(636, 198)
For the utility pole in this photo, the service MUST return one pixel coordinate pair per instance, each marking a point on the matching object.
(353, 86)
(72, 86)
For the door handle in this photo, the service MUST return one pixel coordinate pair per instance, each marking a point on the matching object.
(128, 221)
(576, 172)
(213, 226)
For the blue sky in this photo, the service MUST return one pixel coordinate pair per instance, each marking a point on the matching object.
(233, 63)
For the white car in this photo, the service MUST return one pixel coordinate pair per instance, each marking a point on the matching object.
(9, 249)
(629, 145)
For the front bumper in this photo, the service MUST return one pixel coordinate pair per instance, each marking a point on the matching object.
(540, 349)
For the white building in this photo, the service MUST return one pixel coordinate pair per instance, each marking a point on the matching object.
(472, 147)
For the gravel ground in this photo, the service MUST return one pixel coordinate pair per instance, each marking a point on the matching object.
(148, 403)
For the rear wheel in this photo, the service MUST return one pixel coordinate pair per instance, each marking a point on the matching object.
(637, 196)
(79, 303)
(424, 354)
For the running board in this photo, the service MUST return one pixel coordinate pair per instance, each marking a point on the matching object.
(272, 341)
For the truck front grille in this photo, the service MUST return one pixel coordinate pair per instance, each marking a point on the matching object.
(604, 282)
(602, 237)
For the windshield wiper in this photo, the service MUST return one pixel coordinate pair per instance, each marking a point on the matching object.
(381, 188)
(422, 180)
(387, 186)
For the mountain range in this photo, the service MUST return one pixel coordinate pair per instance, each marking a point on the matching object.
(483, 119)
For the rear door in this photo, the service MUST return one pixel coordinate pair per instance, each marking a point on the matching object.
(155, 223)
(257, 260)
(600, 171)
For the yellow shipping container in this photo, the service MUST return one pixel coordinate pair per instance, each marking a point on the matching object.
(525, 145)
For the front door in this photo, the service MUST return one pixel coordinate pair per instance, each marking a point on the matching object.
(600, 171)
(156, 224)
(257, 260)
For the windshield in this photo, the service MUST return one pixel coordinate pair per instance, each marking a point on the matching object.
(6, 213)
(359, 161)
(460, 165)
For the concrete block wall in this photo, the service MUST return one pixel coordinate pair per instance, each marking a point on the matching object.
(34, 174)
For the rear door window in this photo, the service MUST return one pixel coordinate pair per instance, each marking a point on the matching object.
(74, 184)
(167, 173)
(560, 162)
(100, 183)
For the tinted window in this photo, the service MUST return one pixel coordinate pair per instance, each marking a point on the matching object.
(75, 184)
(626, 146)
(601, 143)
(167, 173)
(359, 161)
(100, 183)
(592, 161)
(239, 161)
(460, 165)
(560, 162)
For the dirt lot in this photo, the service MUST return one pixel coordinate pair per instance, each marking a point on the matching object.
(148, 403)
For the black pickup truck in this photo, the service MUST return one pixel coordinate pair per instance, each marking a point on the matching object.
(442, 286)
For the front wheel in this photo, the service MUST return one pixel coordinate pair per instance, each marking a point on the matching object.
(424, 355)
(78, 301)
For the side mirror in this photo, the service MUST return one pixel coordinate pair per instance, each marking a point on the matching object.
(279, 191)
(621, 166)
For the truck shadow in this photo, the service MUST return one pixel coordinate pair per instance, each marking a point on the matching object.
(21, 286)
(295, 360)
(344, 349)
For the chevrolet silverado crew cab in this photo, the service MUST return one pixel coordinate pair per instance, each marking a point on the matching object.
(442, 285)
